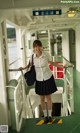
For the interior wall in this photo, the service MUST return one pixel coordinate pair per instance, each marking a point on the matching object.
(65, 45)
(78, 47)
(72, 46)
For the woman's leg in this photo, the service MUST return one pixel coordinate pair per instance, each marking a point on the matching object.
(49, 105)
(43, 105)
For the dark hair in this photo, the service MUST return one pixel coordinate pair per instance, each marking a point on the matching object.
(37, 43)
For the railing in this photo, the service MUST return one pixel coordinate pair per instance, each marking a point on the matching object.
(68, 91)
(16, 104)
(22, 103)
(15, 64)
(19, 105)
(68, 95)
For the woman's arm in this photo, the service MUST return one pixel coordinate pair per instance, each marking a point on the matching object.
(23, 68)
(55, 64)
(60, 64)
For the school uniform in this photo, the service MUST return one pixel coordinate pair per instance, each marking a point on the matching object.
(45, 83)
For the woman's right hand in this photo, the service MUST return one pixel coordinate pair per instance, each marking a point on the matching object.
(21, 68)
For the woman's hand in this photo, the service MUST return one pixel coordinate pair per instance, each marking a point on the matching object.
(27, 67)
(68, 65)
(21, 68)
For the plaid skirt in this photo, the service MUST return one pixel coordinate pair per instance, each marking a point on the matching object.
(46, 87)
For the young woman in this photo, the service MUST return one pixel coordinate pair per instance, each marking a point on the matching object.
(45, 83)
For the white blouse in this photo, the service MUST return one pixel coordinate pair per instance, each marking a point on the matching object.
(42, 69)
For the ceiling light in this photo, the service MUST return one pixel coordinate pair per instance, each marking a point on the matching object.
(44, 31)
(71, 13)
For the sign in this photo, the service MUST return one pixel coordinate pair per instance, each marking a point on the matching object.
(47, 12)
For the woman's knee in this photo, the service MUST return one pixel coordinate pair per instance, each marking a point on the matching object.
(42, 98)
(48, 97)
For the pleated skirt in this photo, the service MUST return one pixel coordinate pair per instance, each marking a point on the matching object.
(46, 87)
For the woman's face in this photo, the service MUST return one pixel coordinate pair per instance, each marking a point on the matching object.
(38, 50)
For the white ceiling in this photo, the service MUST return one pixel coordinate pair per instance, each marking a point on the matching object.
(25, 18)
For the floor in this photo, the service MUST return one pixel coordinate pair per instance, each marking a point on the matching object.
(70, 124)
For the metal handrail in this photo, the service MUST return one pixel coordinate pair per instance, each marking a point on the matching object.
(11, 70)
(14, 61)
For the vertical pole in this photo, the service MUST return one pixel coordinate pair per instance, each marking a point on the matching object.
(4, 77)
(65, 94)
(19, 45)
(49, 43)
(71, 89)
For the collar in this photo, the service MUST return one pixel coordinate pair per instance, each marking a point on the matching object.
(43, 54)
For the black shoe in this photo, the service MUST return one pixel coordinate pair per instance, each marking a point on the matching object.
(49, 119)
(46, 119)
